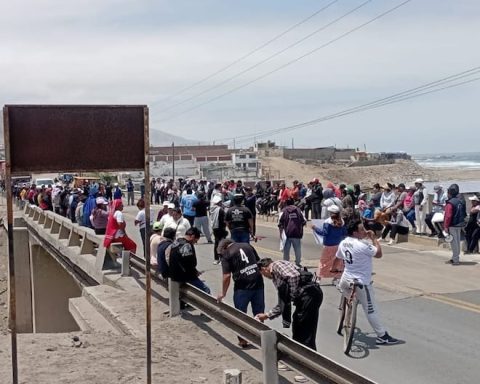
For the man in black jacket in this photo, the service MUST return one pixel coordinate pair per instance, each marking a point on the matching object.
(316, 198)
(182, 260)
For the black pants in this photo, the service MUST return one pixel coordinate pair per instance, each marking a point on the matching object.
(394, 229)
(190, 219)
(218, 234)
(305, 317)
(472, 235)
(434, 228)
(316, 209)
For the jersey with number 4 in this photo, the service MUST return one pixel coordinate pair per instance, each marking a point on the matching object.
(240, 259)
(357, 255)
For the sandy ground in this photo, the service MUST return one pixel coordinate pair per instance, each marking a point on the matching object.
(401, 172)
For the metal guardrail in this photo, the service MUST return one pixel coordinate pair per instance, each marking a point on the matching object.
(310, 363)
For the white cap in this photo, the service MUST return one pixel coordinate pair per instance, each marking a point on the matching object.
(101, 200)
(333, 209)
(165, 203)
(419, 181)
(473, 198)
(171, 206)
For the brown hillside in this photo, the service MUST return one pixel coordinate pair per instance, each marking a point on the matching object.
(404, 171)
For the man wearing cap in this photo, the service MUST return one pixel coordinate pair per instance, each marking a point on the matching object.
(420, 198)
(436, 216)
(455, 213)
(178, 222)
(163, 211)
(472, 229)
(117, 192)
(155, 240)
(239, 220)
(239, 261)
(297, 286)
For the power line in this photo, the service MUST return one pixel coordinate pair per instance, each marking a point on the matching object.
(275, 38)
(288, 63)
(229, 79)
(381, 101)
(365, 107)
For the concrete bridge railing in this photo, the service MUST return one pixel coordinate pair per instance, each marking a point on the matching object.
(79, 244)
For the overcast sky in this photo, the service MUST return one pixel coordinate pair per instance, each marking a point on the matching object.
(143, 52)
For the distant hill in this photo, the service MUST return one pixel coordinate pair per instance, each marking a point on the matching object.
(162, 139)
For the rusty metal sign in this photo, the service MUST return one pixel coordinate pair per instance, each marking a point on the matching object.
(80, 138)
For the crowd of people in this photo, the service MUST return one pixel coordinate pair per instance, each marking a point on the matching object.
(350, 222)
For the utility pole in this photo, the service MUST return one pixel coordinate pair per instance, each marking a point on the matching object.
(293, 146)
(173, 162)
(233, 143)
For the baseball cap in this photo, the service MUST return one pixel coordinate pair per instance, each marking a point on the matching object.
(157, 226)
(166, 203)
(333, 209)
(100, 200)
(473, 198)
(171, 206)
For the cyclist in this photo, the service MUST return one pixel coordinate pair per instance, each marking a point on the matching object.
(357, 253)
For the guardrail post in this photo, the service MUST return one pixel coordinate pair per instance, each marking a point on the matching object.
(269, 356)
(232, 376)
(125, 263)
(174, 294)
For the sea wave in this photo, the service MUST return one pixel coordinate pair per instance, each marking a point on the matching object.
(449, 164)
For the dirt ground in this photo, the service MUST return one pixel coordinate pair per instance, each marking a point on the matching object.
(403, 171)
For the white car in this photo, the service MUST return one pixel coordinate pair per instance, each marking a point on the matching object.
(45, 182)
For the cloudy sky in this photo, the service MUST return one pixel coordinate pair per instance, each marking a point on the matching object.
(147, 52)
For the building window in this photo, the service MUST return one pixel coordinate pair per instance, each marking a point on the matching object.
(238, 165)
(252, 165)
(242, 156)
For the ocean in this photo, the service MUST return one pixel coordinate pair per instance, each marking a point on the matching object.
(465, 160)
(460, 160)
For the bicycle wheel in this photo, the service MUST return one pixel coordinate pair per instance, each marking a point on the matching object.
(349, 325)
(342, 307)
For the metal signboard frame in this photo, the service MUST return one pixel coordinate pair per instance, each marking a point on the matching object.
(75, 138)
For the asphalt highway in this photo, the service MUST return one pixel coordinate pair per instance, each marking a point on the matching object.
(433, 309)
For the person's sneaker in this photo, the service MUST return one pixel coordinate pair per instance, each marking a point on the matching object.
(451, 262)
(386, 339)
(390, 242)
(216, 262)
(210, 242)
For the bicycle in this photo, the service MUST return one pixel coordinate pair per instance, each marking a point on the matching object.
(348, 316)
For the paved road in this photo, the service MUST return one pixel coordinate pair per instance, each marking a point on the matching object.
(432, 307)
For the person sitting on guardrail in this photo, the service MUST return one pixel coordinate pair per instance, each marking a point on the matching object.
(182, 260)
(295, 285)
(239, 261)
(165, 241)
(115, 232)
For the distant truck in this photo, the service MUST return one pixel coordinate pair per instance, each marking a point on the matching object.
(46, 182)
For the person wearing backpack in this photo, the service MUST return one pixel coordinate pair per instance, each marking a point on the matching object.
(165, 241)
(298, 286)
(290, 225)
(454, 221)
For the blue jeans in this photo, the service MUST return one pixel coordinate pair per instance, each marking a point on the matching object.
(240, 236)
(297, 248)
(200, 285)
(256, 298)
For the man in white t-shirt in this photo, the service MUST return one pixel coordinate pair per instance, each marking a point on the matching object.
(358, 253)
(178, 222)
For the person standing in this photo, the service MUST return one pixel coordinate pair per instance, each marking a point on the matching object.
(140, 220)
(357, 254)
(290, 225)
(455, 214)
(180, 224)
(333, 232)
(420, 198)
(99, 217)
(182, 260)
(117, 192)
(239, 261)
(219, 226)
(200, 206)
(472, 229)
(251, 204)
(130, 192)
(298, 286)
(239, 220)
(186, 203)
